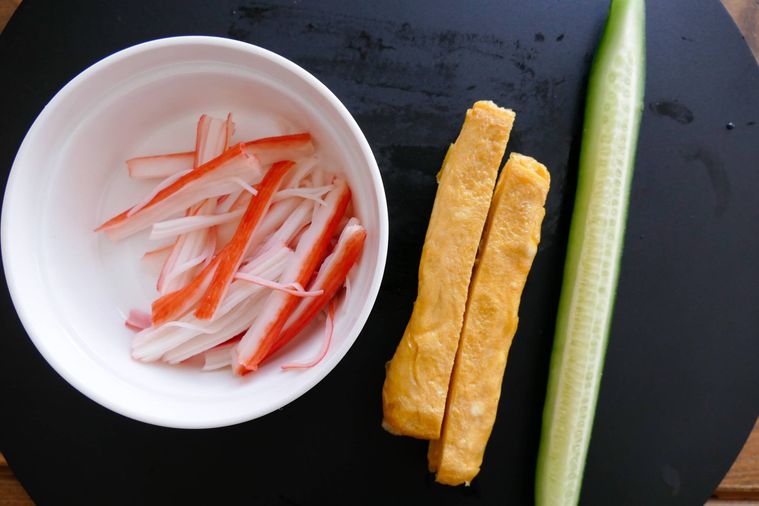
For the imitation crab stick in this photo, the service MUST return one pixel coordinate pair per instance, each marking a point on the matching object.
(283, 147)
(232, 254)
(268, 150)
(243, 302)
(169, 344)
(291, 288)
(250, 224)
(175, 304)
(178, 226)
(137, 320)
(331, 277)
(235, 313)
(211, 139)
(294, 223)
(256, 343)
(210, 179)
(193, 248)
(220, 356)
(189, 251)
(156, 166)
(328, 331)
(231, 324)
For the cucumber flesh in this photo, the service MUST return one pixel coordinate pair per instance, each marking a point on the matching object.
(607, 159)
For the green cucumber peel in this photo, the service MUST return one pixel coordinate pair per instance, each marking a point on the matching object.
(607, 160)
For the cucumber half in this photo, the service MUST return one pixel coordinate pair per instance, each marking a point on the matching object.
(607, 160)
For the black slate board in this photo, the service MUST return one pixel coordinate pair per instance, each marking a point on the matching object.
(680, 388)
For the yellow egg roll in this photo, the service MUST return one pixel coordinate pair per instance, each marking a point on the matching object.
(417, 377)
(508, 247)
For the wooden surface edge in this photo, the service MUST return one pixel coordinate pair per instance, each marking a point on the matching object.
(11, 491)
(740, 487)
(7, 8)
(742, 480)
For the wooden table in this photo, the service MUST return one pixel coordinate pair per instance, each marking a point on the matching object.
(740, 487)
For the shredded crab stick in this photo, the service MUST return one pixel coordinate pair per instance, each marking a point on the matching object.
(272, 220)
(237, 322)
(168, 279)
(148, 167)
(294, 223)
(156, 190)
(314, 194)
(232, 254)
(196, 247)
(283, 147)
(212, 136)
(331, 276)
(256, 343)
(189, 251)
(185, 224)
(291, 288)
(232, 290)
(329, 330)
(177, 226)
(219, 357)
(138, 320)
(175, 304)
(192, 187)
(296, 177)
(163, 250)
(236, 315)
(173, 334)
(269, 150)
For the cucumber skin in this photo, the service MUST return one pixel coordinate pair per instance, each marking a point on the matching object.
(626, 22)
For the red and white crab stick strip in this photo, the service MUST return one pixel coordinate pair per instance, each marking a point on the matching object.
(237, 300)
(157, 166)
(291, 288)
(196, 247)
(234, 323)
(233, 253)
(299, 218)
(302, 169)
(185, 224)
(311, 249)
(171, 339)
(211, 138)
(137, 320)
(220, 356)
(203, 182)
(331, 277)
(210, 285)
(282, 147)
(328, 331)
(268, 150)
(235, 315)
(178, 268)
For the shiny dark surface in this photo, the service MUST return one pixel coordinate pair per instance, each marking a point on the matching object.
(679, 393)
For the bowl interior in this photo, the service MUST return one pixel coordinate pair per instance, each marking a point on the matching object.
(73, 288)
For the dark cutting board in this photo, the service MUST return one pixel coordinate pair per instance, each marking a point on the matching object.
(680, 390)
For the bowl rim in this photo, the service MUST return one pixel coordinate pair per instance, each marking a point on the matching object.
(26, 312)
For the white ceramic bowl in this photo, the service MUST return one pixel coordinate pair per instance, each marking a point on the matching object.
(72, 288)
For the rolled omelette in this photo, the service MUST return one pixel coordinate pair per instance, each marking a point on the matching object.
(509, 244)
(417, 377)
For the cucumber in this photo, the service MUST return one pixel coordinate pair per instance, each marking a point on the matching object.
(607, 159)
